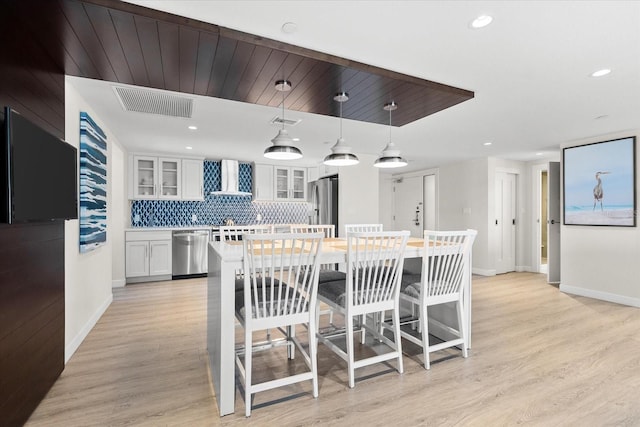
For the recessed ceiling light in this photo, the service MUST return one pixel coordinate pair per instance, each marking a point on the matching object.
(192, 127)
(296, 139)
(601, 73)
(487, 143)
(539, 154)
(289, 27)
(189, 148)
(481, 21)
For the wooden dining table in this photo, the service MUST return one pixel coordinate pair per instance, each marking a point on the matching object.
(225, 260)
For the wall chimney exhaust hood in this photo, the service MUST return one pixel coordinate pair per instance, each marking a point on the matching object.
(229, 171)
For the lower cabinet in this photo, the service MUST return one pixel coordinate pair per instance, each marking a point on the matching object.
(148, 255)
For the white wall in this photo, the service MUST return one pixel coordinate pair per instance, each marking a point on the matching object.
(88, 277)
(602, 262)
(463, 193)
(358, 193)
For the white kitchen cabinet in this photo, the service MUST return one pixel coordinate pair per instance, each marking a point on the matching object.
(169, 179)
(148, 255)
(290, 183)
(263, 182)
(145, 177)
(166, 178)
(192, 179)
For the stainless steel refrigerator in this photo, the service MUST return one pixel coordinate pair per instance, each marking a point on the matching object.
(323, 197)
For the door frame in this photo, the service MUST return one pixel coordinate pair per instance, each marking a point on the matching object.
(536, 191)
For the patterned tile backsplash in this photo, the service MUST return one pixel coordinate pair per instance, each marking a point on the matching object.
(214, 209)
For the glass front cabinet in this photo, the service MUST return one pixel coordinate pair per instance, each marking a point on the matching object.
(290, 183)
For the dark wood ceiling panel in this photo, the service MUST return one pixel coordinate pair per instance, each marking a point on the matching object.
(258, 60)
(207, 44)
(224, 54)
(88, 38)
(127, 33)
(182, 54)
(265, 79)
(273, 97)
(149, 39)
(241, 57)
(310, 87)
(100, 20)
(169, 37)
(188, 58)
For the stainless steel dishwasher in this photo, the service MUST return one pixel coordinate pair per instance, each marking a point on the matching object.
(190, 253)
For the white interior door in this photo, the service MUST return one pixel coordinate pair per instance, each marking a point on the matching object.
(409, 210)
(505, 223)
(553, 223)
(430, 203)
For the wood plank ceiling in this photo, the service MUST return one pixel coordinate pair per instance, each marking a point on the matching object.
(125, 43)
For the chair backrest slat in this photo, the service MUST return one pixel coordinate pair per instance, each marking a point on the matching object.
(445, 261)
(328, 230)
(361, 228)
(374, 263)
(281, 274)
(234, 232)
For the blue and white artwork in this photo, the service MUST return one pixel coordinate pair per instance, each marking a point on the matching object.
(599, 183)
(93, 185)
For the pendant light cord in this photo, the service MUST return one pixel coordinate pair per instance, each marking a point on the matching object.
(340, 119)
(283, 107)
(389, 124)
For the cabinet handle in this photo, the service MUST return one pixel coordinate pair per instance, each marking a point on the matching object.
(151, 250)
(145, 252)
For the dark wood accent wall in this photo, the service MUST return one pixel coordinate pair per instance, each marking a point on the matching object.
(32, 308)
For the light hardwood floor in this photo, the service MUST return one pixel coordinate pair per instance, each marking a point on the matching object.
(539, 357)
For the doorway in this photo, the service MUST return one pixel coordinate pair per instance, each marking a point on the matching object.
(542, 223)
(505, 221)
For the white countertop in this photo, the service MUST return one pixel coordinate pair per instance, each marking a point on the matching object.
(177, 228)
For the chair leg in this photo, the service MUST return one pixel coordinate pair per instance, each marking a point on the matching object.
(397, 338)
(350, 362)
(248, 353)
(462, 327)
(424, 328)
(313, 353)
(291, 347)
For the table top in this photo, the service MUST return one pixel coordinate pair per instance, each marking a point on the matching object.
(334, 250)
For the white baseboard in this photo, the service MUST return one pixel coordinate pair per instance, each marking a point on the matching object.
(483, 272)
(523, 268)
(118, 283)
(604, 296)
(71, 348)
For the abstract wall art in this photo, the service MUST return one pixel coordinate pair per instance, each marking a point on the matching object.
(93, 185)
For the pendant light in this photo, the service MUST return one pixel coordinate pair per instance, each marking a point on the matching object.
(283, 148)
(341, 154)
(390, 157)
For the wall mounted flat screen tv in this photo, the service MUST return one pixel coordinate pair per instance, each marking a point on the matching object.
(38, 173)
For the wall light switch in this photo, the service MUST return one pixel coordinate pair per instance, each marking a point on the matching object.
(194, 218)
(466, 211)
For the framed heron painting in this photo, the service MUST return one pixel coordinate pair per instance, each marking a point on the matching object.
(599, 183)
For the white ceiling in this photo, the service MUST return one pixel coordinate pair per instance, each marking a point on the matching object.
(530, 71)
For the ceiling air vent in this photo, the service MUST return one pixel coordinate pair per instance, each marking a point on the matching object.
(279, 121)
(154, 102)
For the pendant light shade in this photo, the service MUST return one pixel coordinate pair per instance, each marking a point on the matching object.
(341, 154)
(390, 157)
(283, 148)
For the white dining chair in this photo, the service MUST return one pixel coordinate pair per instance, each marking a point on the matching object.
(361, 228)
(280, 291)
(374, 270)
(328, 272)
(446, 270)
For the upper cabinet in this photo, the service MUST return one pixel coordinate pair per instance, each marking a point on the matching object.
(290, 183)
(165, 178)
(262, 182)
(192, 179)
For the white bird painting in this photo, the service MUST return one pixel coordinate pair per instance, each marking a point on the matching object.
(598, 193)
